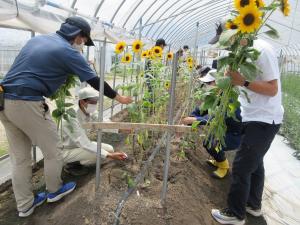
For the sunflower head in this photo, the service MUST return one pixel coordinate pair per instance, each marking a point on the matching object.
(191, 67)
(285, 7)
(259, 3)
(157, 50)
(120, 47)
(170, 56)
(126, 58)
(145, 54)
(167, 85)
(189, 60)
(249, 19)
(230, 25)
(137, 46)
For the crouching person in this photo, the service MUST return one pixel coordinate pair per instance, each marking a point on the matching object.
(78, 149)
(232, 138)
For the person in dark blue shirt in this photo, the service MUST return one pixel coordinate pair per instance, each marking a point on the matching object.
(41, 67)
(232, 138)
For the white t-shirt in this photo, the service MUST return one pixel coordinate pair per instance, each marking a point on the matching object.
(263, 108)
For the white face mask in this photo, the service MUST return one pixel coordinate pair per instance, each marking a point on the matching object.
(91, 108)
(79, 47)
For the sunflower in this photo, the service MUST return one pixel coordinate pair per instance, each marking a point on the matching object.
(156, 50)
(285, 7)
(191, 67)
(145, 54)
(167, 85)
(170, 56)
(137, 46)
(189, 60)
(120, 47)
(126, 58)
(230, 25)
(239, 4)
(249, 19)
(259, 3)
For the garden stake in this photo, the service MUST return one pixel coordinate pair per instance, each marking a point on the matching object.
(170, 122)
(100, 113)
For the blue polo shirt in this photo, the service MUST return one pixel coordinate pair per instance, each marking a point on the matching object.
(42, 67)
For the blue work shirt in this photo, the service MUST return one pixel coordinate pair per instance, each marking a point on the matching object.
(42, 66)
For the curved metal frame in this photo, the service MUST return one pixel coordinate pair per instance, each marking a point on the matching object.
(143, 14)
(171, 15)
(98, 8)
(206, 27)
(132, 13)
(116, 12)
(203, 28)
(179, 24)
(187, 29)
(161, 15)
(161, 5)
(190, 20)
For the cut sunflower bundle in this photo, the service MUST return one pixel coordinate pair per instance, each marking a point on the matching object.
(238, 38)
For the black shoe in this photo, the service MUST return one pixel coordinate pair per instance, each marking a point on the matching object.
(225, 216)
(75, 169)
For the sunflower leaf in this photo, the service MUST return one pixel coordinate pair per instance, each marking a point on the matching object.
(226, 37)
(223, 82)
(249, 70)
(272, 34)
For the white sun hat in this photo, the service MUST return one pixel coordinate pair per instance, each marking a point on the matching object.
(87, 92)
(209, 77)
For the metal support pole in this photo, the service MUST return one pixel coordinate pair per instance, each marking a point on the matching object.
(100, 112)
(191, 75)
(124, 76)
(138, 69)
(114, 85)
(34, 154)
(196, 41)
(170, 122)
(33, 146)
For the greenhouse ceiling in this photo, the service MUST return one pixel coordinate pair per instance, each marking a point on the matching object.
(174, 20)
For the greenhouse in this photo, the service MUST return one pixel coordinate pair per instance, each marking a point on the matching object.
(135, 112)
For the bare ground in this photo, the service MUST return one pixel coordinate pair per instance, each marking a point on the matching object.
(191, 195)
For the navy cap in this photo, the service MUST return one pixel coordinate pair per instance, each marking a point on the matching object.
(75, 25)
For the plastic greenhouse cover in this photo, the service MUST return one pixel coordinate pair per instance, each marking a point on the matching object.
(174, 20)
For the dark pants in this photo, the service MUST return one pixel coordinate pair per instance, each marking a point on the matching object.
(232, 142)
(248, 167)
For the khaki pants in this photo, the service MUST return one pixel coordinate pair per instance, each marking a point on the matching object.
(27, 122)
(85, 157)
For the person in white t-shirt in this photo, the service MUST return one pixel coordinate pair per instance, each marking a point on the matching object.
(261, 119)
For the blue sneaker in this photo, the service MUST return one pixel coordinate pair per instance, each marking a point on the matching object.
(39, 199)
(64, 190)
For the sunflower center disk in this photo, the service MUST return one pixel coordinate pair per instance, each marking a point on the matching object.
(249, 19)
(233, 26)
(244, 3)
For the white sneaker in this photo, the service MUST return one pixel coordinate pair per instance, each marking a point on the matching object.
(254, 212)
(226, 217)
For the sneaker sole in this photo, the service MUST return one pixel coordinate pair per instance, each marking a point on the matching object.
(253, 213)
(228, 222)
(29, 212)
(58, 197)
